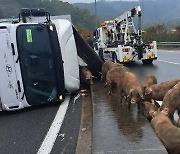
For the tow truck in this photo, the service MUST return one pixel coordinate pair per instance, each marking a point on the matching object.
(119, 40)
(40, 56)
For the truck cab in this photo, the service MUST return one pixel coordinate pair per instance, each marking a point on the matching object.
(32, 71)
(40, 59)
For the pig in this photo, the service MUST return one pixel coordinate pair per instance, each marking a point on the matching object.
(171, 101)
(148, 108)
(157, 91)
(114, 78)
(178, 123)
(122, 80)
(132, 88)
(149, 80)
(86, 77)
(106, 67)
(167, 132)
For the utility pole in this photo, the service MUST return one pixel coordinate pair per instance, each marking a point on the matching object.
(95, 14)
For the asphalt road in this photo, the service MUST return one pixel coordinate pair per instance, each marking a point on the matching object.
(24, 131)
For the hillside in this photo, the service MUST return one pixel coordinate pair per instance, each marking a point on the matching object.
(81, 18)
(154, 11)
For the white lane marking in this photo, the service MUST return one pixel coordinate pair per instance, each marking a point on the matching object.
(176, 51)
(169, 62)
(78, 95)
(51, 136)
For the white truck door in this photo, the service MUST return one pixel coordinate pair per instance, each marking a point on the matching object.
(9, 91)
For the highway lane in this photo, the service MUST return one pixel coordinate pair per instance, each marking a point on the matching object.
(169, 56)
(24, 131)
(167, 67)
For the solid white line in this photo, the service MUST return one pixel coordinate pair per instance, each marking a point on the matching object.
(51, 136)
(169, 62)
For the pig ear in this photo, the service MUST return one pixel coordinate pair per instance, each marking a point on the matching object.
(148, 91)
(165, 111)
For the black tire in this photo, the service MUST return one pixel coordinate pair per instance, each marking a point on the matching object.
(114, 58)
(147, 61)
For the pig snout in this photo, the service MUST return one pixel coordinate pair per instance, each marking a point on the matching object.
(89, 78)
(90, 81)
(133, 100)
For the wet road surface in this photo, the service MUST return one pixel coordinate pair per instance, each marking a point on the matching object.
(117, 130)
(23, 131)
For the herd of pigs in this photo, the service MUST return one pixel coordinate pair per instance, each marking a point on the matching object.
(119, 79)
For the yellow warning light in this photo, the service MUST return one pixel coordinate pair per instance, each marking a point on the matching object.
(105, 22)
(51, 28)
(60, 97)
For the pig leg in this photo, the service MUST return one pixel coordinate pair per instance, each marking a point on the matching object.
(109, 85)
(113, 87)
(139, 106)
(121, 96)
(128, 100)
(178, 123)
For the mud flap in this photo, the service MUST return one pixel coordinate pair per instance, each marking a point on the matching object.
(88, 54)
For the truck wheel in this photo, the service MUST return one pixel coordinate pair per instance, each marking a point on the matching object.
(114, 58)
(147, 61)
(101, 54)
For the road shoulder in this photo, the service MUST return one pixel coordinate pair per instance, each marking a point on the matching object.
(84, 143)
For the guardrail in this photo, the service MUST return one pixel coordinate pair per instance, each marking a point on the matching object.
(168, 43)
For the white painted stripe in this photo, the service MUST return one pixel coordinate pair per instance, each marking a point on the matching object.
(169, 62)
(51, 136)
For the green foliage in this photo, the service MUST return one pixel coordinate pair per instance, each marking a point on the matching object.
(80, 17)
(159, 33)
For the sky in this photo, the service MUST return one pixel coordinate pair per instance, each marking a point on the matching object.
(89, 1)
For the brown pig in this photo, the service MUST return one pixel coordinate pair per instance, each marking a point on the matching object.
(122, 80)
(86, 76)
(114, 78)
(149, 80)
(157, 91)
(178, 123)
(171, 101)
(167, 132)
(133, 88)
(148, 108)
(106, 67)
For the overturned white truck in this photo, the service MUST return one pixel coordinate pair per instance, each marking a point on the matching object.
(39, 60)
(119, 40)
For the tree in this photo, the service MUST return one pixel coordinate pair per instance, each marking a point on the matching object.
(80, 17)
(155, 33)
